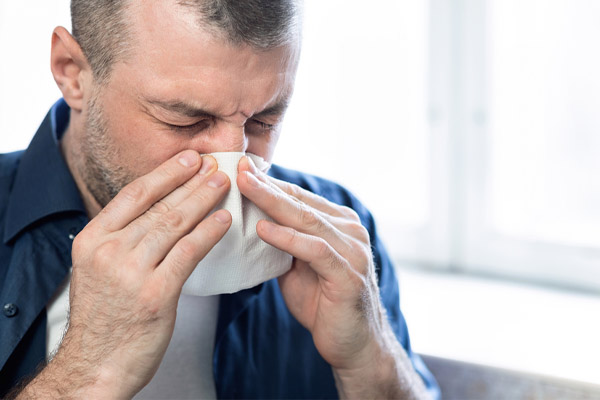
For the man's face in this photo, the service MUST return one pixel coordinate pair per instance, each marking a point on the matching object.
(181, 88)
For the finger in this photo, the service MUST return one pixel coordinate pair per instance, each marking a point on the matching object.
(138, 196)
(181, 220)
(139, 227)
(313, 200)
(319, 254)
(343, 218)
(351, 227)
(289, 211)
(191, 249)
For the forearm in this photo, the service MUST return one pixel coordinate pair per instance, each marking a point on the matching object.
(72, 374)
(387, 374)
(51, 383)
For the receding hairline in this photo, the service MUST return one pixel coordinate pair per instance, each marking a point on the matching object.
(106, 44)
(230, 27)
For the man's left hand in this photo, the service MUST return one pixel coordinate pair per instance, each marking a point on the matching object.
(331, 288)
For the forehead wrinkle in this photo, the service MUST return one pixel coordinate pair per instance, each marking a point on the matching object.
(190, 110)
(180, 107)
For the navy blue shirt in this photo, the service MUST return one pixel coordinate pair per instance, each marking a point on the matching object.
(260, 351)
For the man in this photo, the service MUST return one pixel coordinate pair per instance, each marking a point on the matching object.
(148, 87)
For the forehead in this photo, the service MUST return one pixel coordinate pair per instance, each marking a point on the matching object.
(171, 54)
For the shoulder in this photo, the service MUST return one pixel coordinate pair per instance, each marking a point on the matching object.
(9, 163)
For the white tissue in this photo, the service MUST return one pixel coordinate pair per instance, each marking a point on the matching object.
(241, 259)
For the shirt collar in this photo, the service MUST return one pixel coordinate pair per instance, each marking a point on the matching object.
(43, 184)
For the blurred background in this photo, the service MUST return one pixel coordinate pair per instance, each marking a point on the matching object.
(471, 130)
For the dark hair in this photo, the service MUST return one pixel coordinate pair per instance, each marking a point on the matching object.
(101, 29)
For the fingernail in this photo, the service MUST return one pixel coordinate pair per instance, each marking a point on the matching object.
(222, 216)
(218, 179)
(252, 180)
(207, 164)
(188, 159)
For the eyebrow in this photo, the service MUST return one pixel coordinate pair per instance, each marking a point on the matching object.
(182, 108)
(189, 110)
(275, 110)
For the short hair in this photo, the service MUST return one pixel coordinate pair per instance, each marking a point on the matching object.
(101, 29)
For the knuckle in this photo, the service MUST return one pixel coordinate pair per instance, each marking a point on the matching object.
(307, 217)
(360, 232)
(174, 220)
(363, 256)
(310, 219)
(294, 190)
(104, 254)
(322, 249)
(350, 213)
(160, 207)
(135, 192)
(274, 196)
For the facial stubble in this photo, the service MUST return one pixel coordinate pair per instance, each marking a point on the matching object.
(100, 160)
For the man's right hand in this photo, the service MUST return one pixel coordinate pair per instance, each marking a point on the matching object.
(129, 266)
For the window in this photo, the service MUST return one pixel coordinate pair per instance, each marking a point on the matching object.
(532, 141)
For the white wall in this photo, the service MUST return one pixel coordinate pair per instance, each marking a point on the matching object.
(27, 89)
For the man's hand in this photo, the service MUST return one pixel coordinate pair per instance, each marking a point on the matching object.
(129, 266)
(331, 289)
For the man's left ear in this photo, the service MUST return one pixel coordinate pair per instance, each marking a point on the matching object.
(70, 68)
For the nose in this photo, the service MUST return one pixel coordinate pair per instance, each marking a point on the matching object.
(226, 137)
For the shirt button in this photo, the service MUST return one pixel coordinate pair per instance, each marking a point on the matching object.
(73, 232)
(10, 310)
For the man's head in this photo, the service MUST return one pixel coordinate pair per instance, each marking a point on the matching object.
(147, 79)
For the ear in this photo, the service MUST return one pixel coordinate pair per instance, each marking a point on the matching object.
(70, 68)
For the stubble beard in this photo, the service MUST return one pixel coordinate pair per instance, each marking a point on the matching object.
(99, 157)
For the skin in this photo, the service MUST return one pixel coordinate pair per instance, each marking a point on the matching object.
(148, 192)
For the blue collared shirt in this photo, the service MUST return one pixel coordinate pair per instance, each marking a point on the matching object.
(260, 351)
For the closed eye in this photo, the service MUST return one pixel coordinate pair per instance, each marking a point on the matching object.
(195, 127)
(263, 124)
(253, 127)
(256, 127)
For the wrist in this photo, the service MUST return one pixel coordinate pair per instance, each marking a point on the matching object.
(72, 377)
(371, 370)
(384, 371)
